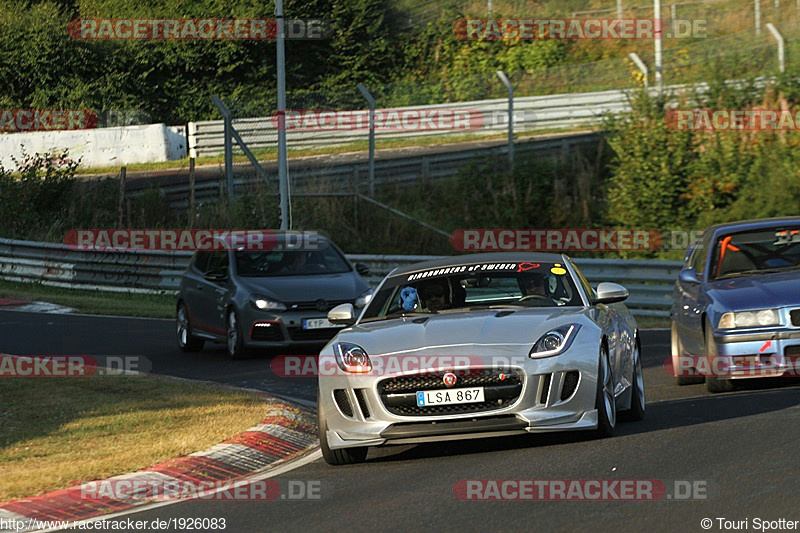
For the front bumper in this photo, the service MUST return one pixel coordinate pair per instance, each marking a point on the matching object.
(357, 415)
(757, 354)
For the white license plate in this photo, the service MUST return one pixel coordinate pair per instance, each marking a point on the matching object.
(449, 396)
(318, 323)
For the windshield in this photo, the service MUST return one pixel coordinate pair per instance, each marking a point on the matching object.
(475, 287)
(756, 252)
(291, 263)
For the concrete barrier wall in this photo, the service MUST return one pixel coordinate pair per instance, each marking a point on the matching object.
(102, 146)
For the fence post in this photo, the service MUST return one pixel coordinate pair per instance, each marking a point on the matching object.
(122, 174)
(778, 37)
(757, 11)
(507, 83)
(640, 65)
(673, 14)
(228, 138)
(371, 101)
(191, 191)
(658, 35)
(619, 9)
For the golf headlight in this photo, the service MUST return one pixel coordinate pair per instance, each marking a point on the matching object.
(555, 341)
(266, 304)
(364, 299)
(352, 358)
(749, 319)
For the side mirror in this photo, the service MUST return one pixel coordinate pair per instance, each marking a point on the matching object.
(609, 293)
(342, 314)
(215, 275)
(688, 275)
(362, 269)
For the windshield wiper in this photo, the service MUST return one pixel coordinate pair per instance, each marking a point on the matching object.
(755, 271)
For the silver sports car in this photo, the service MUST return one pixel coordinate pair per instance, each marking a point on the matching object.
(478, 345)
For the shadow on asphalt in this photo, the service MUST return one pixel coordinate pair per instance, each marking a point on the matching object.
(746, 401)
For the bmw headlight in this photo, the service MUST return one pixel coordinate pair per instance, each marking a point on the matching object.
(555, 341)
(267, 304)
(363, 300)
(749, 319)
(352, 358)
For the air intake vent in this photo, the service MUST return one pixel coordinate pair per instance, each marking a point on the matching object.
(570, 384)
(545, 388)
(362, 402)
(340, 395)
(794, 314)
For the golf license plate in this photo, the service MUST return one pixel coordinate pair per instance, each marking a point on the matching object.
(318, 323)
(449, 396)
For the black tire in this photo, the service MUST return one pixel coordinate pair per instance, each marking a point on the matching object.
(234, 336)
(186, 341)
(605, 401)
(713, 384)
(638, 400)
(343, 456)
(677, 351)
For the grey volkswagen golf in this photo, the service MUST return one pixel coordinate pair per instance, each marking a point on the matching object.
(266, 299)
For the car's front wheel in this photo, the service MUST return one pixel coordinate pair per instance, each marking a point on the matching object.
(235, 337)
(605, 402)
(186, 341)
(714, 384)
(343, 456)
(677, 354)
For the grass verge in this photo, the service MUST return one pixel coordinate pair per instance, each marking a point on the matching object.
(93, 302)
(55, 431)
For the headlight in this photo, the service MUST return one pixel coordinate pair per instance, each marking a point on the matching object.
(555, 341)
(266, 304)
(749, 319)
(364, 299)
(352, 358)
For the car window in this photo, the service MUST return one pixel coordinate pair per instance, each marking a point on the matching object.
(217, 261)
(457, 288)
(291, 262)
(201, 261)
(697, 261)
(755, 252)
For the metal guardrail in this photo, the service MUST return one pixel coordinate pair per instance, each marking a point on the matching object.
(649, 282)
(531, 113)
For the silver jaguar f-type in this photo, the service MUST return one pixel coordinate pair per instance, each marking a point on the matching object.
(480, 345)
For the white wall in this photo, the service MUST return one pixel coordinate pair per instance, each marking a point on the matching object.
(102, 146)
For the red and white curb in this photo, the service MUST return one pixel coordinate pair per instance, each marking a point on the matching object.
(288, 432)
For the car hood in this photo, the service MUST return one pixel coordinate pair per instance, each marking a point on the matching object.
(345, 286)
(778, 289)
(467, 333)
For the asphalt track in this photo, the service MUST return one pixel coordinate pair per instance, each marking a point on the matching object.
(742, 446)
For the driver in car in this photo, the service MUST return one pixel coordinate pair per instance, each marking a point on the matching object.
(533, 285)
(433, 295)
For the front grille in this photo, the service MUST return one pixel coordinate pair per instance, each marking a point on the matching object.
(362, 402)
(501, 389)
(466, 378)
(570, 384)
(322, 334)
(312, 306)
(267, 332)
(794, 315)
(340, 395)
